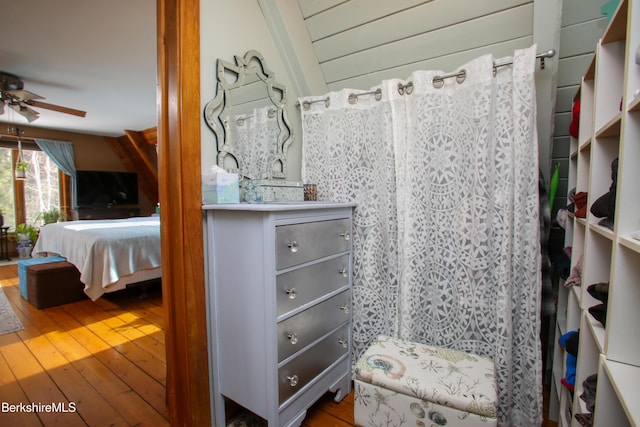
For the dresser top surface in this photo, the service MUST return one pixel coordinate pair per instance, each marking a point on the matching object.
(278, 206)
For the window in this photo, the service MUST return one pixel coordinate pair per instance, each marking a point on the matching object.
(23, 201)
(6, 187)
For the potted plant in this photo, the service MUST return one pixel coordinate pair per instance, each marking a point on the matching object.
(26, 232)
(26, 235)
(52, 215)
(21, 169)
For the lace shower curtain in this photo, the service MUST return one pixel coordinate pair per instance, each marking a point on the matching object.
(446, 231)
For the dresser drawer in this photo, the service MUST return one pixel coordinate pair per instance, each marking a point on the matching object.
(298, 243)
(294, 375)
(298, 287)
(307, 326)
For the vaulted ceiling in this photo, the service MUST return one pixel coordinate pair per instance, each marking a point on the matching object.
(91, 55)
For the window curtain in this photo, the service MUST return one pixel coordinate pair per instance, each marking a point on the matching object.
(446, 228)
(61, 153)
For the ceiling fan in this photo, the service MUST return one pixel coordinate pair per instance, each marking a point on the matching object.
(13, 95)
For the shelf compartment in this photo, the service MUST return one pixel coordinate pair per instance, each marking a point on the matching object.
(597, 264)
(585, 146)
(588, 362)
(611, 128)
(585, 127)
(617, 28)
(609, 83)
(603, 152)
(565, 408)
(597, 331)
(616, 397)
(623, 339)
(630, 243)
(573, 309)
(601, 230)
(628, 190)
(633, 70)
(635, 104)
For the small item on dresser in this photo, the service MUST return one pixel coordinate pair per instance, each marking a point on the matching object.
(310, 192)
(219, 186)
(251, 192)
(272, 190)
(635, 235)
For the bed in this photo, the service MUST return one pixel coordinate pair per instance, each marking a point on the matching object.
(110, 254)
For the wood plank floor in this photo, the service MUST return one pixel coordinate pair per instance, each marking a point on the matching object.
(105, 357)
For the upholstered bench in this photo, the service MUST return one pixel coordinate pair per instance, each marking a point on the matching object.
(54, 283)
(405, 383)
(22, 271)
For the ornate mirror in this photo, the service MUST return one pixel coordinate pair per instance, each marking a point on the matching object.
(248, 118)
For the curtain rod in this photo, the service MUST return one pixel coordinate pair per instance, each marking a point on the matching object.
(438, 82)
(14, 138)
(29, 138)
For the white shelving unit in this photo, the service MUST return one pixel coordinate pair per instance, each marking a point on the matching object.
(609, 129)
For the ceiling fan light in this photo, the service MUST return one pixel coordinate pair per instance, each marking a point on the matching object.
(28, 113)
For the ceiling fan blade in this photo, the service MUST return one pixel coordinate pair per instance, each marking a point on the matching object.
(25, 111)
(24, 95)
(58, 108)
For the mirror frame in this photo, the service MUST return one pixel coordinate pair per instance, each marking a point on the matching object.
(214, 109)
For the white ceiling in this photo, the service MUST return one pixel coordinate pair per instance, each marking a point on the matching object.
(93, 55)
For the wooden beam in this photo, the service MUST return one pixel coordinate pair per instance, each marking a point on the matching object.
(131, 149)
(150, 135)
(140, 147)
(183, 280)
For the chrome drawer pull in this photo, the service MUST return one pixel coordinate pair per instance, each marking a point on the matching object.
(343, 272)
(293, 380)
(345, 235)
(291, 292)
(343, 342)
(293, 246)
(293, 338)
(344, 308)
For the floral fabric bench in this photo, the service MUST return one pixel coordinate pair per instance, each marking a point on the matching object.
(405, 383)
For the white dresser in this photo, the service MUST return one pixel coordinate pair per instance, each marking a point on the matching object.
(279, 306)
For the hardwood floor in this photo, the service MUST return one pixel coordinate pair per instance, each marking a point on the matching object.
(105, 357)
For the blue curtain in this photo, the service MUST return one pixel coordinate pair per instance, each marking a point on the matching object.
(61, 153)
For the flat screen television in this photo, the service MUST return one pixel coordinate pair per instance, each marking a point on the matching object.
(97, 189)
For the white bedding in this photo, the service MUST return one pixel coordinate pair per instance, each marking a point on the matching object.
(105, 252)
